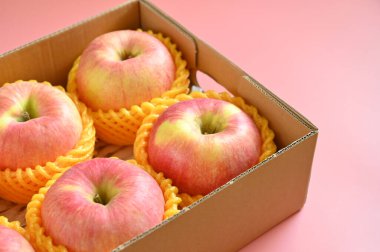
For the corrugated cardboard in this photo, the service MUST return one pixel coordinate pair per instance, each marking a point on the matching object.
(238, 212)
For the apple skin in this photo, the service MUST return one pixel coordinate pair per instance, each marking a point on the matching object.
(203, 143)
(123, 68)
(12, 241)
(54, 127)
(72, 218)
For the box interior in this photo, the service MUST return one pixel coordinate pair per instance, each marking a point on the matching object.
(50, 59)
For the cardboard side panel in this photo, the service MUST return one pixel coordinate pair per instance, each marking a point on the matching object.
(51, 58)
(241, 211)
(286, 127)
(156, 20)
(218, 67)
(306, 123)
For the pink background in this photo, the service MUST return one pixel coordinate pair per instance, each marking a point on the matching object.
(322, 57)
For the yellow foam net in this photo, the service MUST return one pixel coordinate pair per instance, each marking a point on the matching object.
(141, 143)
(20, 185)
(15, 225)
(120, 127)
(42, 242)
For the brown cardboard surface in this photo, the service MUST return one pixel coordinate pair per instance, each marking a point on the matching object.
(280, 116)
(281, 103)
(246, 207)
(234, 215)
(218, 67)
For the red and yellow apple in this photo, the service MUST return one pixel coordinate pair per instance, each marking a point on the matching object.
(101, 203)
(123, 68)
(12, 241)
(203, 143)
(38, 123)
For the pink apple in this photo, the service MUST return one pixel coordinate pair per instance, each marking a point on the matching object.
(38, 123)
(203, 143)
(12, 241)
(123, 68)
(101, 203)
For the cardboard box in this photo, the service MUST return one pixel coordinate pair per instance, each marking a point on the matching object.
(244, 208)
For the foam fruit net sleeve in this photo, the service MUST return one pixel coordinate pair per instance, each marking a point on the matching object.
(19, 186)
(120, 127)
(140, 146)
(45, 243)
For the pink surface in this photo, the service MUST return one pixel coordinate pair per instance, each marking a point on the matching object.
(322, 57)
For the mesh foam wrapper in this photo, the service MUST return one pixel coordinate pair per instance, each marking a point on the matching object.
(120, 127)
(43, 242)
(20, 185)
(15, 225)
(140, 147)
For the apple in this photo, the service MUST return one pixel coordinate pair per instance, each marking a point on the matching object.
(123, 68)
(12, 241)
(38, 123)
(203, 143)
(101, 203)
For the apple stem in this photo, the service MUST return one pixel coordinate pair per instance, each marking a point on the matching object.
(127, 55)
(98, 199)
(25, 116)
